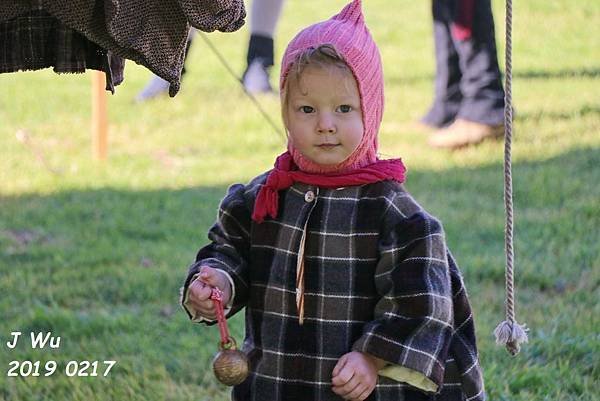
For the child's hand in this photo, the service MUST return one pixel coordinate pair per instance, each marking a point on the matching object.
(355, 375)
(200, 289)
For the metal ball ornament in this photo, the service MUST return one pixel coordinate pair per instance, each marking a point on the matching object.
(230, 365)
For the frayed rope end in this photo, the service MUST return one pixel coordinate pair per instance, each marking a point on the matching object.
(511, 335)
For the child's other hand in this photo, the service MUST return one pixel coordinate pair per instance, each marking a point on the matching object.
(200, 289)
(355, 375)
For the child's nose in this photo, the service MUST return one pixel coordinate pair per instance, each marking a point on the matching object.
(326, 124)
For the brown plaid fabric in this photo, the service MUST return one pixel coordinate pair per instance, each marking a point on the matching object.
(378, 279)
(36, 40)
(152, 33)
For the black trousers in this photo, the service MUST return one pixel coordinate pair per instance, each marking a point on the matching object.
(467, 83)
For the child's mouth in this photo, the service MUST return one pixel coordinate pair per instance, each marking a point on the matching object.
(328, 145)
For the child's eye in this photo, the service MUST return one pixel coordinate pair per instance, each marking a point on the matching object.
(345, 108)
(306, 109)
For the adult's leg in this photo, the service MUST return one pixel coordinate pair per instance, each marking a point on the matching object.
(448, 96)
(481, 85)
(260, 57)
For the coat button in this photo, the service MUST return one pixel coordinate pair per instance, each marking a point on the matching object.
(309, 196)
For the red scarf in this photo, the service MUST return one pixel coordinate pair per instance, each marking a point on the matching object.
(462, 26)
(286, 173)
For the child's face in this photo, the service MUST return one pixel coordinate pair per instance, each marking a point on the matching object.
(323, 114)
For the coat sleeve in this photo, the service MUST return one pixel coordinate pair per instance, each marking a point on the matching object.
(227, 251)
(412, 326)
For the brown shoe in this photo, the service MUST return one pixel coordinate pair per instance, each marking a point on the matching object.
(463, 133)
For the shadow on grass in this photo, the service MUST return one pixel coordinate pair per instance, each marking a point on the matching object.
(112, 241)
(83, 235)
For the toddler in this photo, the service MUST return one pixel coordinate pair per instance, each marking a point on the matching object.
(348, 288)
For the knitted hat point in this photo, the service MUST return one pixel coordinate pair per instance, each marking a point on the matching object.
(352, 12)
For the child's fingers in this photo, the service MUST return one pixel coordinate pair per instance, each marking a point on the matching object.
(351, 389)
(356, 392)
(199, 291)
(366, 393)
(200, 299)
(211, 276)
(343, 376)
(339, 365)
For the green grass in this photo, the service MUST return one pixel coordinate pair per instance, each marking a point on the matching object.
(96, 252)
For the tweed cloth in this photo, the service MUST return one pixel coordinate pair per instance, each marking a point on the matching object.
(150, 32)
(350, 36)
(37, 40)
(378, 279)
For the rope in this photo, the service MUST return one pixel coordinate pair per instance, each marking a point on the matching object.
(240, 81)
(217, 298)
(509, 332)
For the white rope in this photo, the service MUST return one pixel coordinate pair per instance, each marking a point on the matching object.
(509, 332)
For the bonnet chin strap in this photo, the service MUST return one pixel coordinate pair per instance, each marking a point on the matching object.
(509, 332)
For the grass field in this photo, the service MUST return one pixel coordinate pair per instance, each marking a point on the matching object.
(96, 252)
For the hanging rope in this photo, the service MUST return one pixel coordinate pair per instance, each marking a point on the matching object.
(234, 75)
(509, 332)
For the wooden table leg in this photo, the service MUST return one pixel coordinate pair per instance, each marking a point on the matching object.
(99, 116)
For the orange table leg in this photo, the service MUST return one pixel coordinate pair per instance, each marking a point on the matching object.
(99, 116)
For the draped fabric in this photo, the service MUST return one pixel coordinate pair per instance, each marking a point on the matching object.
(36, 40)
(152, 33)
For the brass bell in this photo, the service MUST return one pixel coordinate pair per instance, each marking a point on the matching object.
(230, 365)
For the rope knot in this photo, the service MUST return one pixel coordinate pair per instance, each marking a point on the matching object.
(511, 334)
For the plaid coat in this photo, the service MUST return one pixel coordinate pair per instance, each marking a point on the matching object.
(378, 279)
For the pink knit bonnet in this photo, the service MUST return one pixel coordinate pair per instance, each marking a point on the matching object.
(349, 35)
